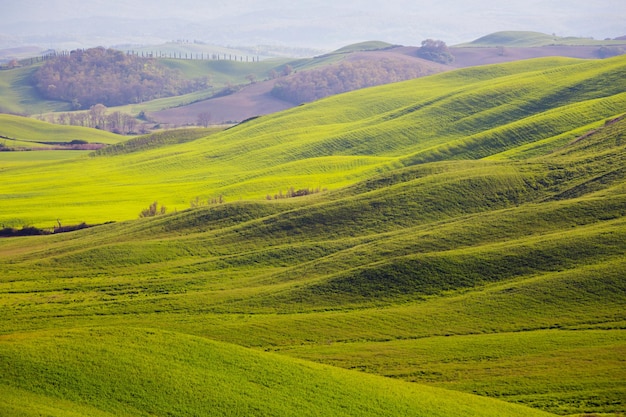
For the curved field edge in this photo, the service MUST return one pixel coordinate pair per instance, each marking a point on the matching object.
(150, 372)
(466, 114)
(36, 133)
(516, 246)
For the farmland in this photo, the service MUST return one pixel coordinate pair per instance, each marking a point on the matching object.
(463, 256)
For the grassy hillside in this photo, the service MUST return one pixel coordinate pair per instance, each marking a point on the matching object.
(23, 131)
(139, 372)
(528, 108)
(19, 96)
(363, 46)
(471, 238)
(533, 39)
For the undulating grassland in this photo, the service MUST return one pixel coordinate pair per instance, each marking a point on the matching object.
(364, 46)
(35, 133)
(19, 96)
(469, 114)
(534, 39)
(223, 72)
(472, 238)
(143, 372)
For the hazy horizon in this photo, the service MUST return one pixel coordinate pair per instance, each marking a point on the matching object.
(319, 24)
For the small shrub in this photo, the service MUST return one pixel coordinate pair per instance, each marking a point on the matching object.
(292, 192)
(24, 231)
(153, 210)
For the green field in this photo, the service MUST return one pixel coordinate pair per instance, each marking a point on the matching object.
(464, 256)
(35, 133)
(535, 39)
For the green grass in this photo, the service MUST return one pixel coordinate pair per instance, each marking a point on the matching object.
(469, 114)
(18, 96)
(25, 158)
(533, 39)
(363, 46)
(147, 372)
(513, 365)
(470, 239)
(27, 130)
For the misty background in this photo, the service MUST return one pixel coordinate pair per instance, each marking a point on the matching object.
(319, 24)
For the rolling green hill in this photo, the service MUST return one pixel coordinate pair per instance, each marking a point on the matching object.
(18, 95)
(471, 239)
(533, 39)
(526, 108)
(33, 133)
(142, 372)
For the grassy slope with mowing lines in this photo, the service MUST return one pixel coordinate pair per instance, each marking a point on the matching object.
(18, 96)
(518, 262)
(144, 372)
(471, 114)
(533, 39)
(555, 263)
(26, 131)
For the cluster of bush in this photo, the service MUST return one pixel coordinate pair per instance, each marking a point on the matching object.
(197, 202)
(313, 85)
(35, 231)
(98, 118)
(436, 51)
(292, 192)
(153, 210)
(98, 75)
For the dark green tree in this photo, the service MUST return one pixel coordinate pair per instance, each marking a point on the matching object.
(436, 51)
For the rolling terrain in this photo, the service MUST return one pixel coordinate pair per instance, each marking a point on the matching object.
(466, 242)
(230, 98)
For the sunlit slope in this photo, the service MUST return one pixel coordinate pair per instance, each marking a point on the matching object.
(415, 232)
(532, 39)
(27, 132)
(154, 373)
(466, 114)
(503, 278)
(19, 96)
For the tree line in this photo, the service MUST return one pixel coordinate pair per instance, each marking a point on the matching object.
(97, 117)
(110, 77)
(346, 76)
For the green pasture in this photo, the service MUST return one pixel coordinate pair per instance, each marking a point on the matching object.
(18, 96)
(512, 364)
(33, 132)
(464, 256)
(534, 39)
(147, 372)
(364, 46)
(532, 107)
(27, 157)
(224, 72)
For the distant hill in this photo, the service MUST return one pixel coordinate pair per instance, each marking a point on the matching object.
(513, 46)
(364, 46)
(9, 54)
(347, 69)
(396, 123)
(315, 78)
(239, 87)
(24, 132)
(533, 39)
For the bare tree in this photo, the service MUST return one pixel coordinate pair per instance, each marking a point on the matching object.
(204, 119)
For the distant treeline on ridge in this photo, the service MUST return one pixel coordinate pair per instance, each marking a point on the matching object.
(312, 85)
(110, 77)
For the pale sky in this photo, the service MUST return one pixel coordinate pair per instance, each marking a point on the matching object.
(322, 22)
